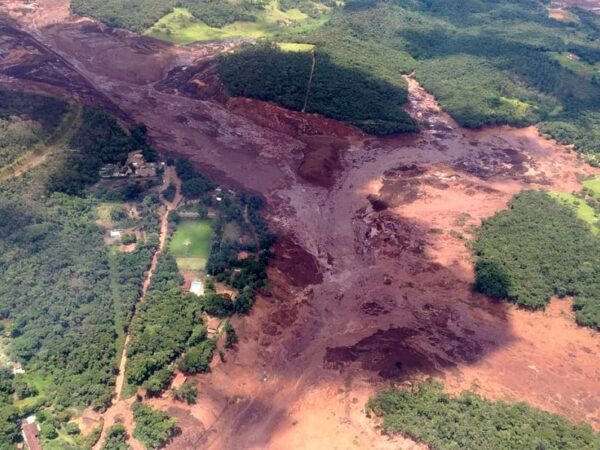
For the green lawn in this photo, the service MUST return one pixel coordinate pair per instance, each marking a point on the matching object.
(191, 243)
(182, 28)
(294, 47)
(584, 211)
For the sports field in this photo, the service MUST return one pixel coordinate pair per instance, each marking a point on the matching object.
(191, 244)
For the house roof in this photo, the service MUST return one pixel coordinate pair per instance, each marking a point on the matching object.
(30, 433)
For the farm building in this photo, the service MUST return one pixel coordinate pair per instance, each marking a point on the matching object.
(197, 287)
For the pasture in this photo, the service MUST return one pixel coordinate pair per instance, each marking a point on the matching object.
(181, 27)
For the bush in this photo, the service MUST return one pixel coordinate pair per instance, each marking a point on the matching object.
(116, 438)
(187, 392)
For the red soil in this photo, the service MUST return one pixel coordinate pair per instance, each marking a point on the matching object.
(363, 290)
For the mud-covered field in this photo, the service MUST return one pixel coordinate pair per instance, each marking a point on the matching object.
(372, 280)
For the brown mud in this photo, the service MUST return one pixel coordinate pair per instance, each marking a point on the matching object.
(372, 280)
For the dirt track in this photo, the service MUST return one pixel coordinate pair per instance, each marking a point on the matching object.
(365, 289)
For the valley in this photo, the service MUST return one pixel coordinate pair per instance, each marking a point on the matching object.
(371, 282)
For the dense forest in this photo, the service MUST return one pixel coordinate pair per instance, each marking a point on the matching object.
(427, 414)
(536, 249)
(166, 324)
(340, 92)
(486, 61)
(65, 296)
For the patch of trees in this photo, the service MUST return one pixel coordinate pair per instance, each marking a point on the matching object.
(139, 15)
(47, 111)
(427, 414)
(116, 438)
(341, 92)
(153, 428)
(193, 184)
(166, 324)
(537, 249)
(26, 121)
(99, 140)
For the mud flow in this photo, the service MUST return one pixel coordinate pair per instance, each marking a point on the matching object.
(371, 283)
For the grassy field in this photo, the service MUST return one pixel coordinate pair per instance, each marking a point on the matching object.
(584, 211)
(191, 244)
(182, 28)
(575, 65)
(295, 47)
(593, 184)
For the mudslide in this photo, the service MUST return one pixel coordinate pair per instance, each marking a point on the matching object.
(371, 283)
(120, 408)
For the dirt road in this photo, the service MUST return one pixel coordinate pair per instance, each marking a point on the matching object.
(372, 280)
(120, 408)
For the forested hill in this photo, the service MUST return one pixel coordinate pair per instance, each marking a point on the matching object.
(487, 61)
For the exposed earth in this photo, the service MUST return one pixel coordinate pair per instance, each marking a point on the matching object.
(372, 280)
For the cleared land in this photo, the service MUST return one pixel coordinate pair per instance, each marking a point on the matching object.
(181, 27)
(191, 243)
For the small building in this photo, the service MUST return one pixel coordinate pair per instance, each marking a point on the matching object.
(115, 234)
(30, 433)
(197, 287)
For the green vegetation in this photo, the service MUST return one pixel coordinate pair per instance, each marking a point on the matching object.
(66, 296)
(444, 422)
(98, 140)
(116, 438)
(27, 123)
(340, 92)
(191, 243)
(187, 392)
(165, 325)
(593, 186)
(199, 20)
(197, 359)
(536, 249)
(152, 428)
(487, 61)
(582, 209)
(182, 27)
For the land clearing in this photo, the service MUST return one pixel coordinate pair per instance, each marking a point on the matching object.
(182, 28)
(358, 297)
